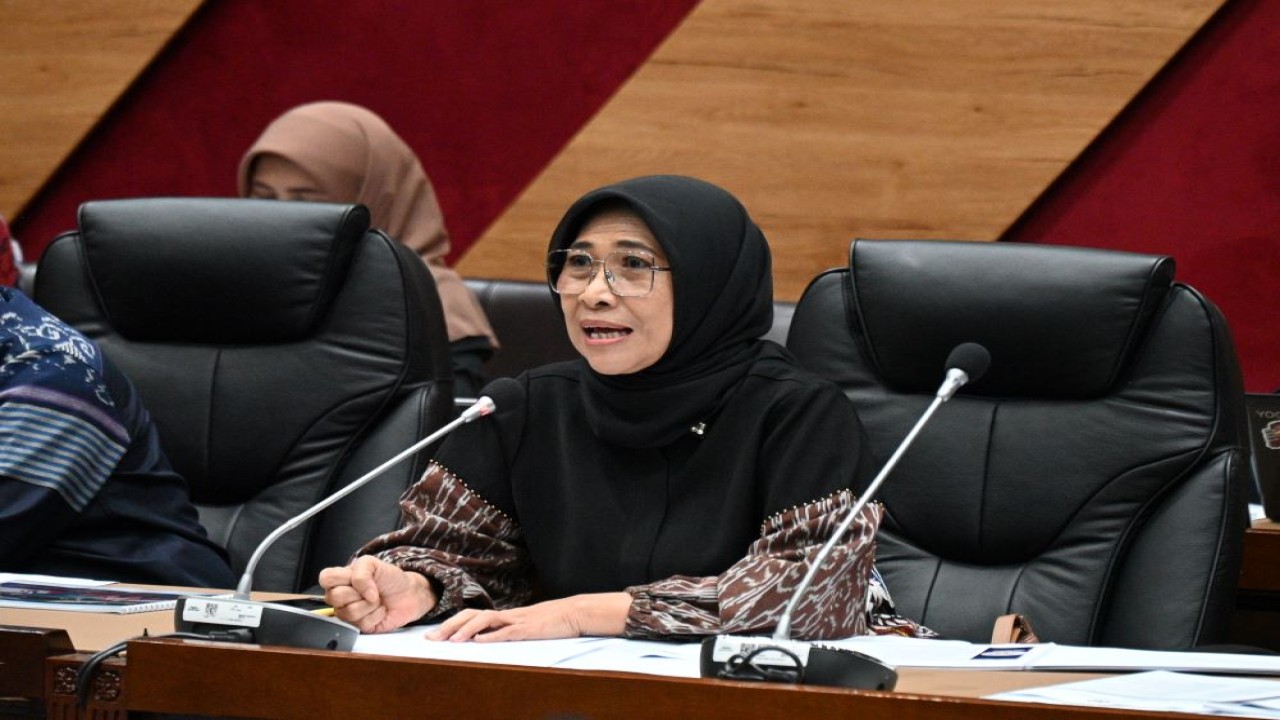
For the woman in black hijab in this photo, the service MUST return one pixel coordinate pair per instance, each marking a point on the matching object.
(672, 482)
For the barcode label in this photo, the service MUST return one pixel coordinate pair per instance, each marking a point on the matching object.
(222, 612)
(726, 647)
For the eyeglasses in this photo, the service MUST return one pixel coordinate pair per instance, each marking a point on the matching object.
(629, 273)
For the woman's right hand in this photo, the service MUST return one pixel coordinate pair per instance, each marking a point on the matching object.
(376, 596)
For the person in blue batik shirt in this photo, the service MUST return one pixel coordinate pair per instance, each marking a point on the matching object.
(85, 490)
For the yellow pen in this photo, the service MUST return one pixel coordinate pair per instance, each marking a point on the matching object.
(327, 612)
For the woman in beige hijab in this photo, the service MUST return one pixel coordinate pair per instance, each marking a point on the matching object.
(338, 152)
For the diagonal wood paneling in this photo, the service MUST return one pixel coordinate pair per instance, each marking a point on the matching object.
(64, 63)
(839, 118)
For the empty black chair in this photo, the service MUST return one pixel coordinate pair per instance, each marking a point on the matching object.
(283, 349)
(1094, 480)
(528, 323)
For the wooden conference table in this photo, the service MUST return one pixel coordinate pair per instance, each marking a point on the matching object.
(1261, 568)
(39, 661)
(227, 680)
(1257, 616)
(215, 679)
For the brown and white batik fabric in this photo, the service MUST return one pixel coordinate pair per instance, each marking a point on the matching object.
(474, 555)
(471, 551)
(749, 596)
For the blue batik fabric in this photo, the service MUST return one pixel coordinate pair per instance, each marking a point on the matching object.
(59, 427)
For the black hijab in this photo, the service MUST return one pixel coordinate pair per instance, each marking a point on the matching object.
(608, 485)
(723, 291)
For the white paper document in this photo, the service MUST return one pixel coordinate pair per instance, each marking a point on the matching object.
(638, 656)
(915, 652)
(1163, 691)
(682, 659)
(1069, 657)
(412, 642)
(898, 651)
(52, 580)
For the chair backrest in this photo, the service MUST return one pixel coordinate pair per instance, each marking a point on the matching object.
(283, 349)
(531, 329)
(1094, 480)
(528, 324)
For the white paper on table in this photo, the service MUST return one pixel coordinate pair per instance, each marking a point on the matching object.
(682, 659)
(53, 580)
(958, 654)
(590, 653)
(641, 656)
(1163, 691)
(897, 651)
(412, 642)
(1102, 659)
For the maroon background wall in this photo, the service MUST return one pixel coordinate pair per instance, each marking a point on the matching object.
(1192, 169)
(488, 91)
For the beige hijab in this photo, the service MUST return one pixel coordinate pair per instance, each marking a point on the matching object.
(352, 150)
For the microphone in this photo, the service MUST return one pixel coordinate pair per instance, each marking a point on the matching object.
(268, 623)
(781, 659)
(966, 363)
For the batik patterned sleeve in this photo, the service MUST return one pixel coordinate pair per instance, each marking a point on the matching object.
(846, 597)
(60, 433)
(883, 617)
(471, 551)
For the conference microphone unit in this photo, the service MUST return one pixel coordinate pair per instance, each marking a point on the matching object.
(267, 623)
(781, 659)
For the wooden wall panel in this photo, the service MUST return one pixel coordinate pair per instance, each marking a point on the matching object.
(64, 63)
(832, 119)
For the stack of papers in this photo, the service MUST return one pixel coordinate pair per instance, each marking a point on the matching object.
(45, 592)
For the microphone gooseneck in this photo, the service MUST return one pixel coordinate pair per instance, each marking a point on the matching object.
(483, 406)
(787, 660)
(966, 363)
(267, 623)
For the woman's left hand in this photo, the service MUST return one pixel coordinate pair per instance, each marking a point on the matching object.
(597, 614)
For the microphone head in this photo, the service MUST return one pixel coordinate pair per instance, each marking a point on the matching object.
(502, 393)
(971, 358)
(481, 407)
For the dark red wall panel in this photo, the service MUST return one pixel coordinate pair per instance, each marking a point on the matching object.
(486, 91)
(1192, 169)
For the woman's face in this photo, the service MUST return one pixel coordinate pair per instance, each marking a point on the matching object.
(278, 178)
(619, 335)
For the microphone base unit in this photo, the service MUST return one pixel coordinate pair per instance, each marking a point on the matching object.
(267, 623)
(789, 661)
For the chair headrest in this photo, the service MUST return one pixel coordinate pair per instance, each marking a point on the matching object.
(1066, 330)
(160, 265)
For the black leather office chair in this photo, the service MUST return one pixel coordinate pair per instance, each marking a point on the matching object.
(283, 350)
(1094, 480)
(527, 323)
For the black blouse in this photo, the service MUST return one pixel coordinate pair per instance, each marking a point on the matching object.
(599, 517)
